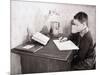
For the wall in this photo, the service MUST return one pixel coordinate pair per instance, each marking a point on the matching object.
(33, 15)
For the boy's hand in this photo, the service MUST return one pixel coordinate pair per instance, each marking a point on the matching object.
(62, 39)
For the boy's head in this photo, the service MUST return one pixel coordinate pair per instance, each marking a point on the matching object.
(81, 18)
(79, 22)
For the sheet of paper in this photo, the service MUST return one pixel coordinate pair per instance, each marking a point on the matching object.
(28, 46)
(66, 45)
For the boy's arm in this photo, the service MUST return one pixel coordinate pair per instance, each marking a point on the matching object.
(74, 38)
(83, 49)
(86, 46)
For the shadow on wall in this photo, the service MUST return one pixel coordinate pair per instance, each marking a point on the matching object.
(67, 29)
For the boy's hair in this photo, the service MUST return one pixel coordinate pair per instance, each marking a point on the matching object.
(81, 17)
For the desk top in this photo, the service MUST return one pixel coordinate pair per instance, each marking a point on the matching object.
(48, 51)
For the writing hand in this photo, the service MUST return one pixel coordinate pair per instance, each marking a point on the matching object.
(62, 39)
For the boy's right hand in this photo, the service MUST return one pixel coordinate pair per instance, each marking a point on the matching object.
(62, 39)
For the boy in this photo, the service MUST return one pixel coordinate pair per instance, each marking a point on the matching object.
(84, 58)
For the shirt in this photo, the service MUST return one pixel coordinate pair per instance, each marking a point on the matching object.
(85, 45)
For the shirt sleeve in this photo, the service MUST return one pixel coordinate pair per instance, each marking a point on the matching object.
(84, 47)
(74, 38)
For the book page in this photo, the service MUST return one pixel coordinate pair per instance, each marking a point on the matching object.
(66, 45)
(41, 38)
(28, 46)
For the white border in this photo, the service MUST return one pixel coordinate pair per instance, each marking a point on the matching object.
(5, 36)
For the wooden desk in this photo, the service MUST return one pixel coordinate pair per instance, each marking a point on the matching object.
(47, 59)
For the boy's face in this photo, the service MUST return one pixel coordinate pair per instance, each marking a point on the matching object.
(77, 26)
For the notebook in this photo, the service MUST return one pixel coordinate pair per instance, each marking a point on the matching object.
(66, 45)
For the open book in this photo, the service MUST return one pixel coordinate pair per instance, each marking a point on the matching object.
(41, 38)
(66, 45)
